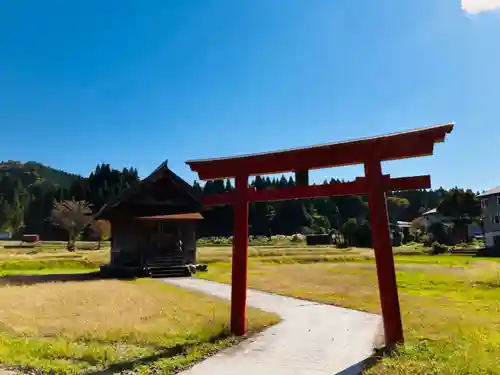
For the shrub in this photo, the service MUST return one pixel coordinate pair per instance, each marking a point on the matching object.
(438, 248)
(408, 238)
(278, 237)
(258, 240)
(364, 234)
(348, 230)
(440, 233)
(307, 231)
(425, 239)
(214, 241)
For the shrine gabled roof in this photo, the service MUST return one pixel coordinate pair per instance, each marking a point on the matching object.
(179, 197)
(408, 144)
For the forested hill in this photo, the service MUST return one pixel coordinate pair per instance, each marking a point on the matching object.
(33, 173)
(29, 190)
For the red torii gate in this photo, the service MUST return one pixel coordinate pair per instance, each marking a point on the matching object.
(368, 151)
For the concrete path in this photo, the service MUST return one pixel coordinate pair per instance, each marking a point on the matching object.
(312, 339)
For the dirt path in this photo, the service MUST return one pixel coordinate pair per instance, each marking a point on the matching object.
(312, 339)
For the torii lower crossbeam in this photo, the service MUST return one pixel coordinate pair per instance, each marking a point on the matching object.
(370, 152)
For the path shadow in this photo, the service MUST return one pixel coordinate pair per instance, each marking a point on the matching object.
(130, 365)
(54, 278)
(360, 367)
(181, 349)
(356, 369)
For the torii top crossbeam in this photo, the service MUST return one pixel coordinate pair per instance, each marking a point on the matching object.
(403, 145)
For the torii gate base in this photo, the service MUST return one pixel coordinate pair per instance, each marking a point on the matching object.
(368, 151)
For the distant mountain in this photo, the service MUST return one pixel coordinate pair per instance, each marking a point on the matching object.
(32, 173)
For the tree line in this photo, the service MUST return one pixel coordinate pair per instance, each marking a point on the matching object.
(347, 214)
(26, 205)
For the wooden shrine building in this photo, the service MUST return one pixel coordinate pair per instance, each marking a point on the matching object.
(153, 227)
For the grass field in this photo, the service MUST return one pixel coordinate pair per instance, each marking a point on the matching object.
(299, 254)
(50, 257)
(450, 303)
(450, 306)
(86, 327)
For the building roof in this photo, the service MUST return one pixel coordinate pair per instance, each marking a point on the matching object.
(403, 224)
(493, 191)
(430, 212)
(189, 216)
(162, 193)
(444, 218)
(413, 143)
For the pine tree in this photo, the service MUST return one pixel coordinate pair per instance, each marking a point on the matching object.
(197, 187)
(228, 186)
(17, 209)
(5, 214)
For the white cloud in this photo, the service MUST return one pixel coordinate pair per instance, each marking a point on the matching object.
(477, 6)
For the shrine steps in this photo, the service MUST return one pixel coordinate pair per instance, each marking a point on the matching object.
(171, 265)
(169, 271)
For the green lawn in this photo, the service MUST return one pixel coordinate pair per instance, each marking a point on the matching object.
(450, 303)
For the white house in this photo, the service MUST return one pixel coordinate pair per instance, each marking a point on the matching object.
(490, 209)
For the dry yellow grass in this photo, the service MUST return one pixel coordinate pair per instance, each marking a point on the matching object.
(80, 326)
(450, 306)
(104, 310)
(50, 257)
(327, 282)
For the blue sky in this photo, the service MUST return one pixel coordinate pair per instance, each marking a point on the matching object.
(133, 83)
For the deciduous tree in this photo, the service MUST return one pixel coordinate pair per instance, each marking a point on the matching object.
(72, 216)
(397, 208)
(101, 230)
(460, 203)
(349, 229)
(5, 213)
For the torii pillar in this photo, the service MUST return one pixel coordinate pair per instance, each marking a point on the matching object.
(370, 152)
